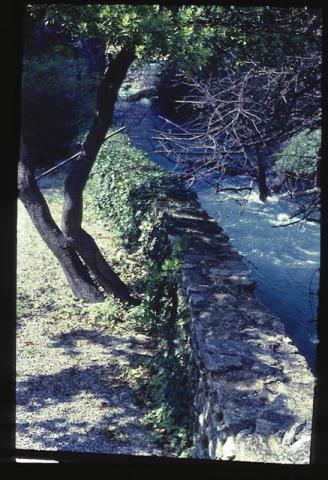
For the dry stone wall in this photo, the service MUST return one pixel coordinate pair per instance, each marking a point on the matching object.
(254, 393)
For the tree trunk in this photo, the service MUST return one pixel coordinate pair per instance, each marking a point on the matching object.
(261, 175)
(78, 238)
(84, 265)
(76, 273)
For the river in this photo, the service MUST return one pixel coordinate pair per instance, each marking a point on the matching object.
(284, 261)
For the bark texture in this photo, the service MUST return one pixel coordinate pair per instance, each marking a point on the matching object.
(75, 235)
(75, 271)
(83, 263)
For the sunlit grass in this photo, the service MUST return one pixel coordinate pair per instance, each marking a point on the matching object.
(42, 288)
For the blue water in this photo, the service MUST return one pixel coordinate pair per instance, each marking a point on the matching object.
(284, 261)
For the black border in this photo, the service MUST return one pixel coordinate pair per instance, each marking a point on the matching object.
(12, 28)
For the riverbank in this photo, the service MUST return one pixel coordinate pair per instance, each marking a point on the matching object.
(284, 261)
(212, 357)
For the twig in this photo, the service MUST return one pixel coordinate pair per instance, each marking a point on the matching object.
(57, 166)
(74, 156)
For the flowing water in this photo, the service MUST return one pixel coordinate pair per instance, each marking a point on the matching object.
(284, 261)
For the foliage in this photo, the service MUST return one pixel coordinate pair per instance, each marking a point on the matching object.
(57, 103)
(125, 187)
(257, 94)
(167, 389)
(299, 155)
(131, 203)
(157, 32)
(237, 37)
(266, 34)
(169, 393)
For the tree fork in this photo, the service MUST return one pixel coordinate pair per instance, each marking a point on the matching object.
(88, 250)
(75, 271)
(75, 182)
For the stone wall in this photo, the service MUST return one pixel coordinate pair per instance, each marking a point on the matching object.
(254, 393)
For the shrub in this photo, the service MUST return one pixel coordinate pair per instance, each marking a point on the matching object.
(299, 156)
(169, 392)
(58, 100)
(106, 314)
(125, 188)
(170, 90)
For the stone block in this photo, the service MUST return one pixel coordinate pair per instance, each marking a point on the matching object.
(254, 390)
(222, 363)
(198, 258)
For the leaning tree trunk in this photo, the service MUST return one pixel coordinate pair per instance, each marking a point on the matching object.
(83, 264)
(75, 182)
(76, 273)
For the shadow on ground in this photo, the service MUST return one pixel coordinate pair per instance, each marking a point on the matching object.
(87, 409)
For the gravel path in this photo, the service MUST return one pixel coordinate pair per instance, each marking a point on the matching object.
(72, 392)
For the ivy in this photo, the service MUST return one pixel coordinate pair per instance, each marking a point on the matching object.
(131, 202)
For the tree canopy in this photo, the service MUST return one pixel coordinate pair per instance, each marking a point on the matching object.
(260, 89)
(155, 31)
(270, 79)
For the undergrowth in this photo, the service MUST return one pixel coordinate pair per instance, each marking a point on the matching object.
(131, 231)
(127, 191)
